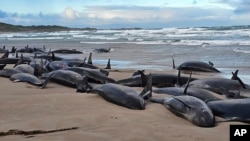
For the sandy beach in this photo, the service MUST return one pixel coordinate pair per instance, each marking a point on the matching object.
(26, 107)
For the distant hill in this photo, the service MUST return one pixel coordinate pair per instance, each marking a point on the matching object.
(4, 27)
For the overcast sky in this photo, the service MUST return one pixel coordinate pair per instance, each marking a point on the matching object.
(126, 13)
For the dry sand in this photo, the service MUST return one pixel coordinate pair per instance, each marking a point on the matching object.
(26, 107)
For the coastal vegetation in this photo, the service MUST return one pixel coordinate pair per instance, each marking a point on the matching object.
(4, 27)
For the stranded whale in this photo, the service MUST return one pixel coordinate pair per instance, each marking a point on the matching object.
(189, 107)
(124, 95)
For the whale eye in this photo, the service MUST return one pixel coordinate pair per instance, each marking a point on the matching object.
(204, 111)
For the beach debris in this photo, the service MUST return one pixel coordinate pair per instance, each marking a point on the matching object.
(34, 132)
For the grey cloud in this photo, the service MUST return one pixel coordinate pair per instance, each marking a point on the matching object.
(240, 6)
(244, 7)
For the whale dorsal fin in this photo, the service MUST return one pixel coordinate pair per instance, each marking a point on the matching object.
(211, 63)
(53, 58)
(185, 90)
(90, 58)
(108, 65)
(235, 77)
(84, 60)
(173, 62)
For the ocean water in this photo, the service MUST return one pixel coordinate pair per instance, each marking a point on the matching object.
(227, 47)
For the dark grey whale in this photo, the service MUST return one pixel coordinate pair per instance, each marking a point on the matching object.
(56, 65)
(94, 75)
(123, 95)
(7, 72)
(13, 60)
(232, 109)
(228, 87)
(50, 57)
(26, 77)
(158, 80)
(25, 68)
(67, 78)
(102, 50)
(67, 51)
(134, 81)
(197, 66)
(189, 107)
(202, 94)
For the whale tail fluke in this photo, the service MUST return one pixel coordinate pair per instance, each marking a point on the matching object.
(83, 85)
(46, 81)
(144, 78)
(147, 91)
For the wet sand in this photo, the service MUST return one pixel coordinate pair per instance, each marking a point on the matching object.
(147, 56)
(26, 107)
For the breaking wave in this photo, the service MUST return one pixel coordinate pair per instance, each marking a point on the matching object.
(174, 36)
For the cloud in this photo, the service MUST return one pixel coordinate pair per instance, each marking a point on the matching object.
(128, 13)
(118, 16)
(152, 17)
(70, 13)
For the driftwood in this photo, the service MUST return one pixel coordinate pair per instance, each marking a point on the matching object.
(33, 132)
